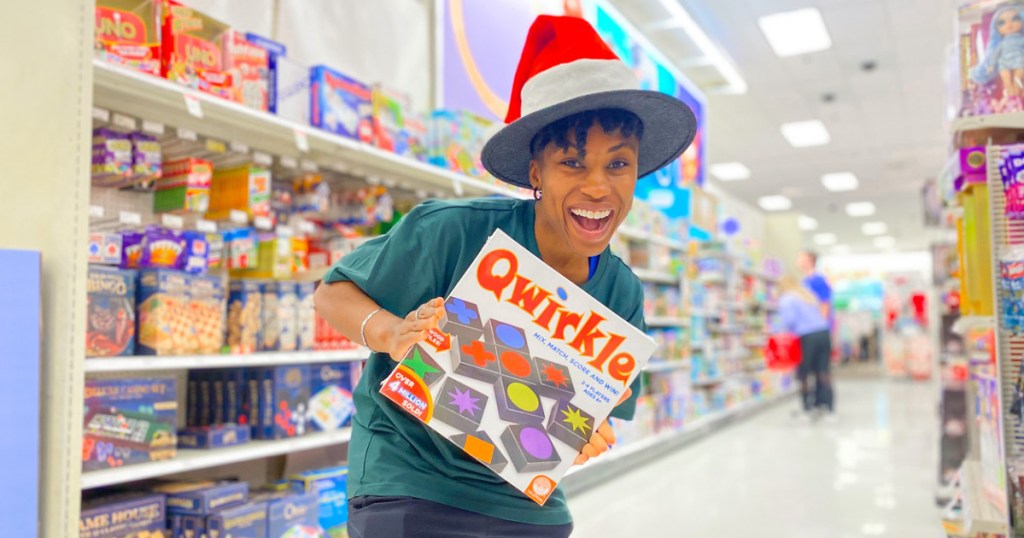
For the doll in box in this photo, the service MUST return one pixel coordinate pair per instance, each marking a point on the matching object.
(1003, 58)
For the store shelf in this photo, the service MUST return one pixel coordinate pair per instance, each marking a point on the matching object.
(707, 382)
(635, 233)
(1013, 120)
(186, 362)
(658, 321)
(759, 274)
(192, 460)
(726, 329)
(980, 516)
(656, 277)
(666, 366)
(623, 459)
(711, 279)
(701, 313)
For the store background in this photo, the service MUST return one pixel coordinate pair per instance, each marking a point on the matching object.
(878, 90)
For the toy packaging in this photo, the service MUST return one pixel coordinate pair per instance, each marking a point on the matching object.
(305, 316)
(195, 258)
(193, 49)
(110, 306)
(165, 321)
(287, 310)
(146, 159)
(124, 516)
(245, 188)
(105, 248)
(991, 43)
(204, 500)
(111, 158)
(341, 104)
(184, 187)
(292, 515)
(505, 381)
(248, 63)
(1011, 291)
(161, 248)
(330, 485)
(128, 34)
(246, 521)
(271, 317)
(245, 316)
(330, 406)
(242, 248)
(128, 421)
(285, 398)
(275, 53)
(131, 249)
(1011, 172)
(417, 136)
(389, 110)
(457, 138)
(293, 95)
(207, 304)
(213, 436)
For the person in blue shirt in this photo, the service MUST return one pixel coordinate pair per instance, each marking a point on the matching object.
(801, 315)
(807, 262)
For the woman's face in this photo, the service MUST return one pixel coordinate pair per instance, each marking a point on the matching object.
(586, 197)
(1009, 22)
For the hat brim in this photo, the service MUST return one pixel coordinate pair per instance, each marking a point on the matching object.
(669, 128)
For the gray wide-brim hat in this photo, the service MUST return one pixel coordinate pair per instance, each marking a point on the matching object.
(566, 69)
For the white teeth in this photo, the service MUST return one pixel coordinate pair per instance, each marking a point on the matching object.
(594, 215)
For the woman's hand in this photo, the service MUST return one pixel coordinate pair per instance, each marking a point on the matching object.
(413, 328)
(603, 438)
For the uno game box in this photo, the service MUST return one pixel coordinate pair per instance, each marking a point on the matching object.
(330, 406)
(525, 366)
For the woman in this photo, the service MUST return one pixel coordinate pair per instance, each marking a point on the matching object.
(800, 314)
(579, 133)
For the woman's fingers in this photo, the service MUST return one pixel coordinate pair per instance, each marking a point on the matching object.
(605, 433)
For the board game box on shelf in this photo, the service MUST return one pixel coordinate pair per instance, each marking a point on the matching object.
(525, 366)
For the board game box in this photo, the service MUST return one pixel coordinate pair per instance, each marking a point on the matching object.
(525, 366)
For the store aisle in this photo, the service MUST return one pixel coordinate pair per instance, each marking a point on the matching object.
(872, 473)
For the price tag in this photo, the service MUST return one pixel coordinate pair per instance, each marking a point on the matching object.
(421, 194)
(285, 231)
(186, 134)
(457, 187)
(206, 226)
(96, 212)
(173, 221)
(262, 159)
(239, 217)
(100, 114)
(153, 127)
(308, 166)
(288, 162)
(301, 140)
(239, 147)
(263, 223)
(130, 217)
(125, 122)
(215, 146)
(193, 105)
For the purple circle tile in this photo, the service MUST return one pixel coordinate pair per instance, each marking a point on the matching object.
(536, 443)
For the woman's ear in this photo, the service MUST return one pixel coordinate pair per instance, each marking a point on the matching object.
(535, 173)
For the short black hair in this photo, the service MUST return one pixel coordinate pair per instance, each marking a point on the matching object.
(610, 119)
(812, 255)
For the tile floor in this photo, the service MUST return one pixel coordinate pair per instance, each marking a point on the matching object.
(872, 473)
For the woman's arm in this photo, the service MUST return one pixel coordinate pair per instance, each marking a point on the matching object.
(344, 306)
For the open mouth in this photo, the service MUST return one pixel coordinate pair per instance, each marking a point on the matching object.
(592, 223)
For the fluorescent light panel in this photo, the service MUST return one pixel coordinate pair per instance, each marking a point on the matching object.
(825, 239)
(712, 52)
(840, 182)
(775, 202)
(730, 171)
(885, 241)
(805, 134)
(807, 223)
(795, 32)
(874, 228)
(860, 209)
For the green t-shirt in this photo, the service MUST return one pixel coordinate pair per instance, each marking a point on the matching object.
(424, 256)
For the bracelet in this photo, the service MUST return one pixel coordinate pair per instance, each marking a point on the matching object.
(362, 328)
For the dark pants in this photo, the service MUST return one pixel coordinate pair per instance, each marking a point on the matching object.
(406, 517)
(816, 350)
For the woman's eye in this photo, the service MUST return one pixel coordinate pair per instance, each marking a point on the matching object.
(618, 164)
(572, 163)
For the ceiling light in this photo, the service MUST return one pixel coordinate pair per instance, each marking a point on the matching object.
(795, 32)
(774, 202)
(807, 223)
(730, 171)
(874, 228)
(885, 241)
(860, 209)
(825, 239)
(803, 134)
(841, 250)
(714, 54)
(840, 182)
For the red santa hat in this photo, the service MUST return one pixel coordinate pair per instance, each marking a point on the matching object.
(566, 68)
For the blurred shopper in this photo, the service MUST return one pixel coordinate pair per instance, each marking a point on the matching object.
(807, 263)
(800, 314)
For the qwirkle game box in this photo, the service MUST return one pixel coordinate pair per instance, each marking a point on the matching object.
(524, 367)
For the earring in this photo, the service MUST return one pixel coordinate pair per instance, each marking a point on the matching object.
(537, 194)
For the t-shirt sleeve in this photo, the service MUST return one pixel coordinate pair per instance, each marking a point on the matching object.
(820, 287)
(399, 270)
(627, 409)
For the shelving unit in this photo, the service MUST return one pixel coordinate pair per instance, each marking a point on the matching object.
(667, 322)
(187, 362)
(193, 460)
(656, 277)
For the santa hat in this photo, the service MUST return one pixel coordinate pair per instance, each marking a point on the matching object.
(566, 69)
